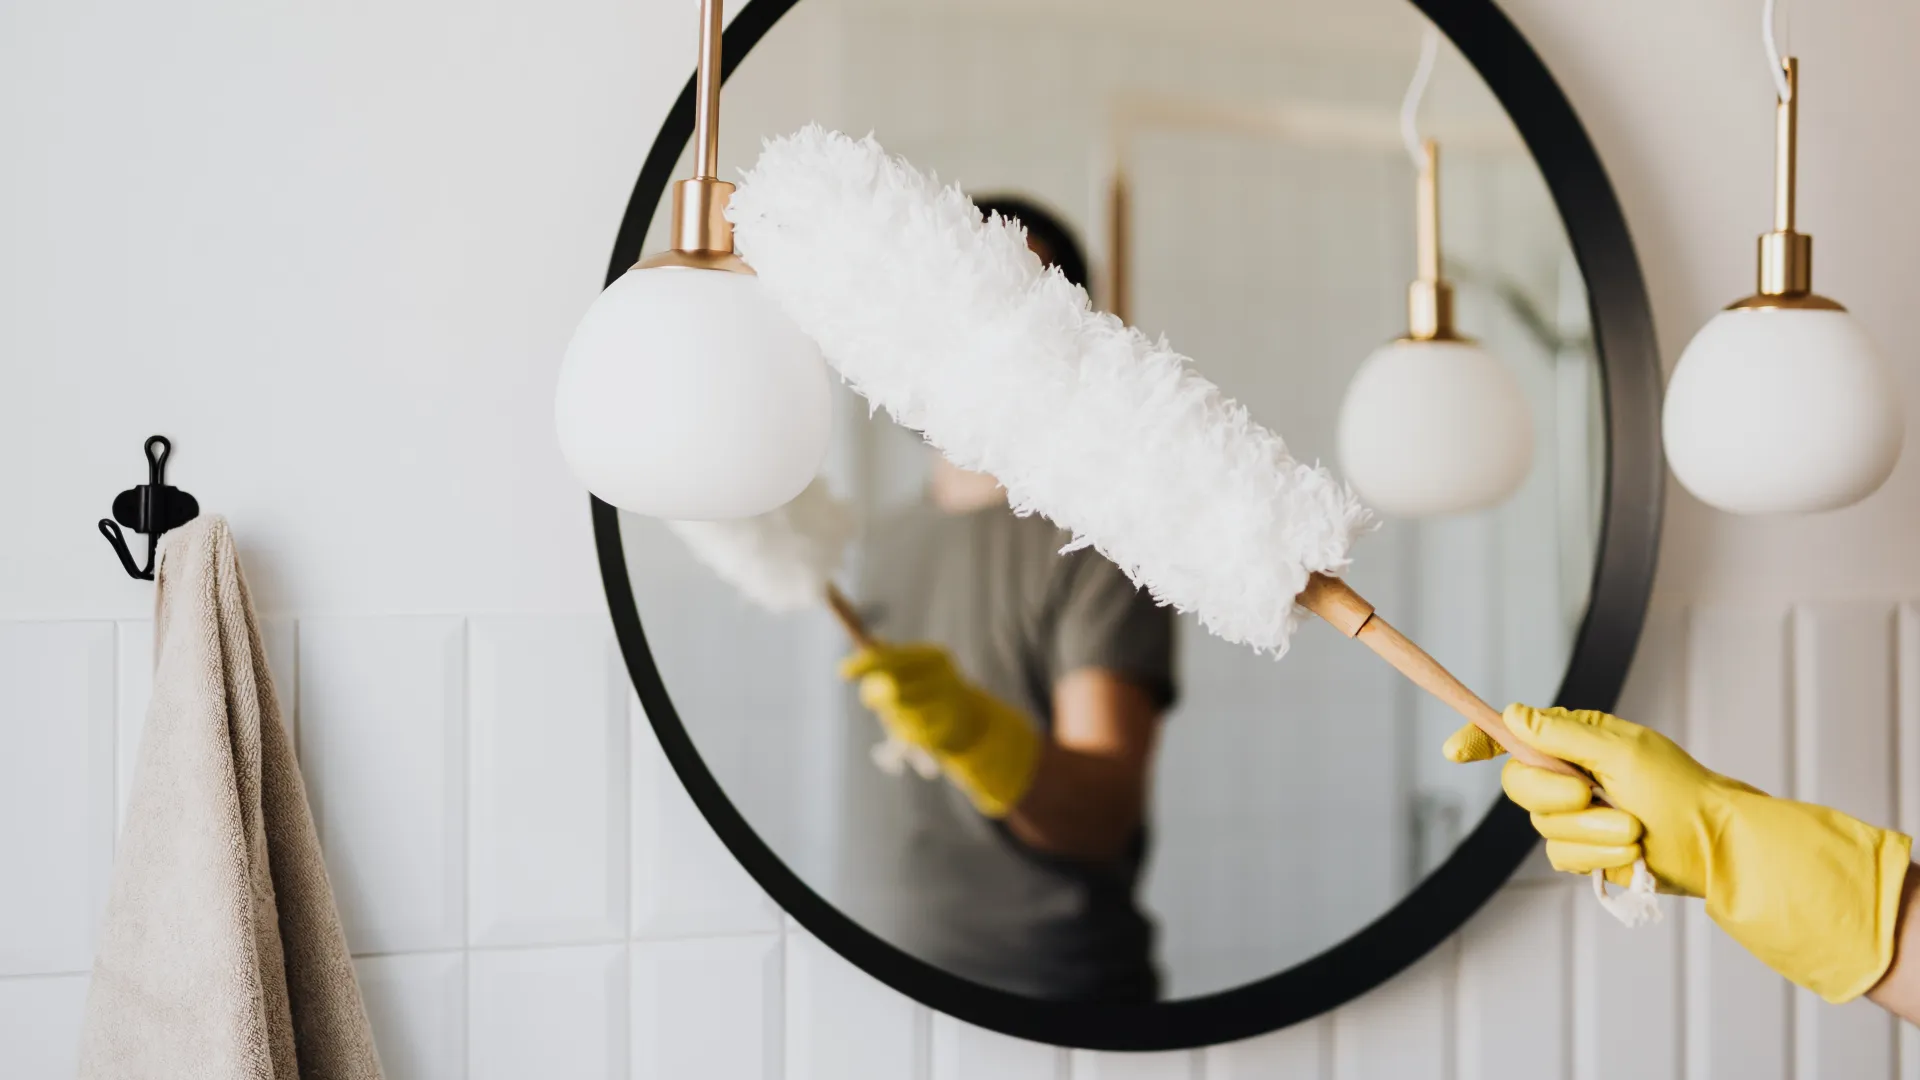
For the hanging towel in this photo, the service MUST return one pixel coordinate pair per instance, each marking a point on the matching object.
(221, 956)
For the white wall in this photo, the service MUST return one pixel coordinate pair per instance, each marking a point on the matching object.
(335, 252)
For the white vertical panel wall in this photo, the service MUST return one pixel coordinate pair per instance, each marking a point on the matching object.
(531, 893)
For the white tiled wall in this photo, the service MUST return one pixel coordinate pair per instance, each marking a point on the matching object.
(531, 894)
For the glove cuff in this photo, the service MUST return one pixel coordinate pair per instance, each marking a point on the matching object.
(1894, 859)
(996, 768)
(1825, 913)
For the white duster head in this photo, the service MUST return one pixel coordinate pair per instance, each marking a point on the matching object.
(954, 327)
(782, 560)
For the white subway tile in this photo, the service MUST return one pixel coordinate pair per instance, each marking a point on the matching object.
(133, 656)
(40, 1021)
(1511, 991)
(383, 736)
(964, 1052)
(685, 881)
(548, 833)
(1404, 1029)
(559, 1012)
(1655, 694)
(1300, 1052)
(1626, 980)
(417, 1003)
(1171, 1065)
(708, 1007)
(56, 791)
(842, 1024)
(1622, 979)
(1739, 1017)
(1844, 740)
(1737, 721)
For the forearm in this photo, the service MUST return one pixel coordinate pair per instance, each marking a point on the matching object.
(1083, 806)
(1898, 991)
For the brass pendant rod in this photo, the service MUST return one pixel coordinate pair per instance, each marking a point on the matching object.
(706, 88)
(1786, 146)
(1429, 298)
(1427, 213)
(701, 235)
(1786, 254)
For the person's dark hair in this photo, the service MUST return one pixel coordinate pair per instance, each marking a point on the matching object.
(1045, 231)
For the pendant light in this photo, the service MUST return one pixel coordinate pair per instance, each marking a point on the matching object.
(686, 393)
(1781, 403)
(1432, 423)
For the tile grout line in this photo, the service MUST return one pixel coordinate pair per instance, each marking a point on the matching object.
(625, 769)
(1904, 708)
(1790, 711)
(118, 783)
(1329, 1045)
(1569, 985)
(1683, 673)
(1893, 743)
(1451, 1044)
(40, 976)
(775, 1054)
(465, 728)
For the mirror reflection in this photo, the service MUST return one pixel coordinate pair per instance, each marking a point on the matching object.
(1121, 807)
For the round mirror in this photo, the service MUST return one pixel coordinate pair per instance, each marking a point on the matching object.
(1212, 843)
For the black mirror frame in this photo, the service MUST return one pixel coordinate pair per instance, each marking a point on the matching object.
(1603, 647)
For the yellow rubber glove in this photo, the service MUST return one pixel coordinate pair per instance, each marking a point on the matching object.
(1813, 893)
(986, 746)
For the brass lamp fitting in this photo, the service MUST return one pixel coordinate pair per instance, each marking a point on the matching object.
(1430, 297)
(701, 237)
(1786, 255)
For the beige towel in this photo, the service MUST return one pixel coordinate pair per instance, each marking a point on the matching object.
(221, 957)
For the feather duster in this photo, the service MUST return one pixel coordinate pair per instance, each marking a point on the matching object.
(954, 327)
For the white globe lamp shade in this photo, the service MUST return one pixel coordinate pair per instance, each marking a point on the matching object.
(687, 394)
(1434, 427)
(1781, 404)
(1782, 410)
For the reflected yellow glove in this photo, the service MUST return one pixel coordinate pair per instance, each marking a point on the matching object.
(1813, 893)
(986, 746)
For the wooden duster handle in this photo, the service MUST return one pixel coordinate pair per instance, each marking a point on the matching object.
(850, 620)
(1335, 601)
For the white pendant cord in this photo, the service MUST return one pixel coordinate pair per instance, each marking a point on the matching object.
(1776, 64)
(895, 756)
(1639, 905)
(1417, 92)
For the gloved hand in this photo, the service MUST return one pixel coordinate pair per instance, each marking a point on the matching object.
(1813, 893)
(986, 746)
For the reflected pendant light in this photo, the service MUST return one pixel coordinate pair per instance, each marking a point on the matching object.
(1781, 403)
(685, 392)
(1432, 423)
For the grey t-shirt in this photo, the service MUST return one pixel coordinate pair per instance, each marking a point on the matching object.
(942, 881)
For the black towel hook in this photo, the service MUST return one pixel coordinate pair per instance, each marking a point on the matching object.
(151, 508)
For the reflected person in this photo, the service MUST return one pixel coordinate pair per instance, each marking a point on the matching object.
(1038, 681)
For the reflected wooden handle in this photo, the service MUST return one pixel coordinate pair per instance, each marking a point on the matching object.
(850, 620)
(1348, 612)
